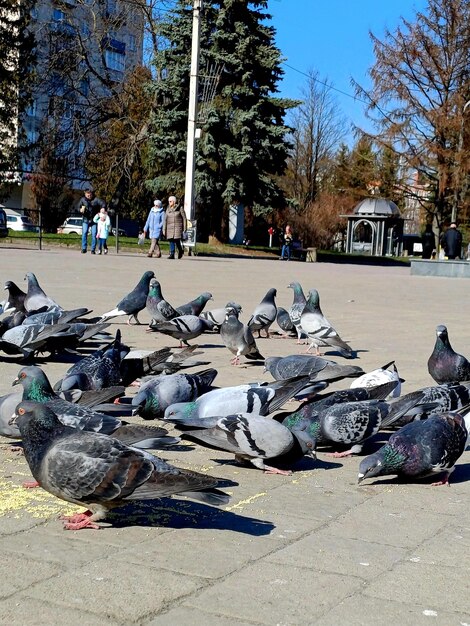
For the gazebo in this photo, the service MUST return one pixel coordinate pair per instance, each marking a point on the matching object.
(375, 227)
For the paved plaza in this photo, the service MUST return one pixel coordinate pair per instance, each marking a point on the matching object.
(311, 548)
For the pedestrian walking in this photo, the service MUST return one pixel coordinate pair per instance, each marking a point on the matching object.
(88, 206)
(174, 226)
(154, 226)
(288, 238)
(103, 225)
(452, 242)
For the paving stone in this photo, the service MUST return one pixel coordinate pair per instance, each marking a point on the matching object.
(275, 594)
(116, 590)
(23, 610)
(329, 553)
(450, 547)
(433, 586)
(184, 616)
(19, 573)
(361, 610)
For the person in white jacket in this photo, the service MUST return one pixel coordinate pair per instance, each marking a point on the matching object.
(103, 224)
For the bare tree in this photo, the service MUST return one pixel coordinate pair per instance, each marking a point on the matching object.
(420, 87)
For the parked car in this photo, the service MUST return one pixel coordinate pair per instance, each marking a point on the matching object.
(3, 224)
(21, 223)
(71, 226)
(122, 232)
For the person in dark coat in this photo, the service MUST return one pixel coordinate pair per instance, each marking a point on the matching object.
(89, 206)
(429, 242)
(174, 226)
(452, 242)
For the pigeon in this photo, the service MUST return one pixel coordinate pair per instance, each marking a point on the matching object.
(8, 404)
(319, 329)
(264, 314)
(27, 340)
(445, 365)
(420, 449)
(13, 319)
(297, 308)
(252, 438)
(134, 302)
(196, 306)
(100, 472)
(420, 404)
(54, 316)
(15, 299)
(250, 398)
(157, 307)
(139, 364)
(184, 328)
(316, 367)
(348, 423)
(217, 316)
(37, 388)
(380, 376)
(238, 338)
(36, 300)
(98, 370)
(284, 321)
(159, 392)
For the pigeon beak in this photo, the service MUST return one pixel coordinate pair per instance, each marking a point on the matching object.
(15, 382)
(360, 478)
(12, 419)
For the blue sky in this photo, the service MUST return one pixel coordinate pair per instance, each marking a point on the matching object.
(332, 37)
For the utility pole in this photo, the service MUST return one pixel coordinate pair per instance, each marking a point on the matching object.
(192, 112)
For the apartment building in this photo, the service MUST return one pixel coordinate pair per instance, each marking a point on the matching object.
(84, 50)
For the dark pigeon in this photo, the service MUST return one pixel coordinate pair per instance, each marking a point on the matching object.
(36, 300)
(15, 297)
(157, 307)
(445, 365)
(238, 338)
(420, 404)
(252, 438)
(420, 449)
(251, 398)
(36, 388)
(264, 314)
(141, 363)
(297, 308)
(319, 330)
(159, 392)
(134, 302)
(183, 328)
(196, 306)
(14, 319)
(100, 472)
(284, 321)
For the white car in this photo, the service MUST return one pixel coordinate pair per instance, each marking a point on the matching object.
(71, 226)
(21, 223)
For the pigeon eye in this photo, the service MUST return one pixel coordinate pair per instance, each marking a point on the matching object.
(22, 375)
(21, 411)
(309, 445)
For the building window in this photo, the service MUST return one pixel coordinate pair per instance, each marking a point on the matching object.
(115, 60)
(132, 43)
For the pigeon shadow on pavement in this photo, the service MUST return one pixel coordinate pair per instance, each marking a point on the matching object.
(172, 513)
(303, 465)
(461, 474)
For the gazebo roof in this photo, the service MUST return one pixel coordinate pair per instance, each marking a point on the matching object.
(378, 207)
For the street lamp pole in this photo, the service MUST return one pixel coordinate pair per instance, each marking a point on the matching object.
(457, 191)
(192, 111)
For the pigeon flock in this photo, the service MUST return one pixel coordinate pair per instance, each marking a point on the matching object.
(83, 445)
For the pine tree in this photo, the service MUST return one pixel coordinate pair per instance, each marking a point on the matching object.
(243, 145)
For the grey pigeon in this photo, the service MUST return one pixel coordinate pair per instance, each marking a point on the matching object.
(159, 392)
(196, 306)
(318, 328)
(380, 376)
(36, 299)
(264, 314)
(157, 307)
(134, 302)
(184, 328)
(37, 388)
(16, 297)
(100, 472)
(316, 367)
(252, 438)
(238, 338)
(420, 449)
(445, 365)
(420, 404)
(8, 404)
(297, 308)
(348, 423)
(250, 398)
(217, 316)
(55, 316)
(27, 340)
(284, 321)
